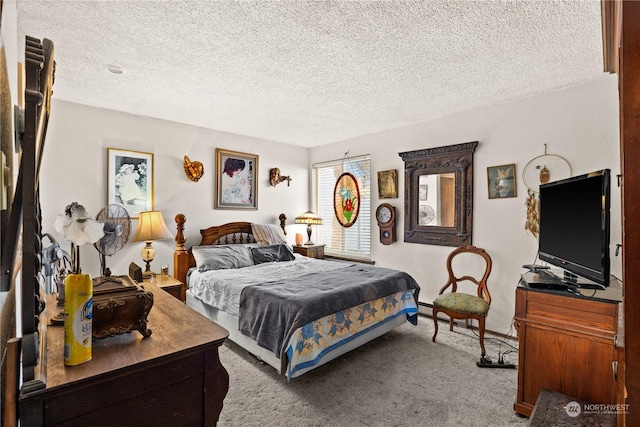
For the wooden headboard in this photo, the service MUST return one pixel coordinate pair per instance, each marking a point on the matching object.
(231, 233)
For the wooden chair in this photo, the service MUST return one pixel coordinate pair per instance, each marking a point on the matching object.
(459, 305)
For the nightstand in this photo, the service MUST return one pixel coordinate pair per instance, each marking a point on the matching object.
(311, 251)
(171, 285)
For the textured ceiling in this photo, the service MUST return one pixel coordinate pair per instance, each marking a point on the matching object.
(313, 72)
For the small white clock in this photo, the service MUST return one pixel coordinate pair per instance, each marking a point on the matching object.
(384, 214)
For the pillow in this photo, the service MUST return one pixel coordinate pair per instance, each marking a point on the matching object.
(272, 253)
(222, 257)
(268, 234)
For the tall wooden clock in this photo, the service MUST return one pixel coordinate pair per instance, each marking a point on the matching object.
(386, 217)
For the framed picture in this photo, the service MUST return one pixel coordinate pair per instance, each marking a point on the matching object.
(130, 180)
(236, 180)
(388, 184)
(423, 192)
(501, 181)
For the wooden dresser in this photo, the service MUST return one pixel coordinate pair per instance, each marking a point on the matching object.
(568, 344)
(173, 377)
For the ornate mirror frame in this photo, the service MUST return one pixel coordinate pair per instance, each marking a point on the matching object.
(452, 159)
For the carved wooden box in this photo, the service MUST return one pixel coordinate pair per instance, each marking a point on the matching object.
(119, 306)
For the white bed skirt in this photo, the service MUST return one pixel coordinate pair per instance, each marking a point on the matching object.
(230, 323)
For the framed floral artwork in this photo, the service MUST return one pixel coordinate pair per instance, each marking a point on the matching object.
(236, 180)
(346, 199)
(130, 180)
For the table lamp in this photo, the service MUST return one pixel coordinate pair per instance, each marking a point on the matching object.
(151, 226)
(309, 218)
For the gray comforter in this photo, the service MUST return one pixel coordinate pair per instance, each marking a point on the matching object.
(271, 312)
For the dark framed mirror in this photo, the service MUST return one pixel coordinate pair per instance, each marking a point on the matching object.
(438, 195)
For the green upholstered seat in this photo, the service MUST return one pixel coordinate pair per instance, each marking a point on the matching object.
(462, 303)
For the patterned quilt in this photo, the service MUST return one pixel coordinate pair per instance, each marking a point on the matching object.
(303, 343)
(271, 312)
(314, 340)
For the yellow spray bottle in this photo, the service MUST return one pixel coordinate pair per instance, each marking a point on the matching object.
(78, 310)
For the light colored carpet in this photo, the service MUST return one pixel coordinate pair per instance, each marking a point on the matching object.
(399, 379)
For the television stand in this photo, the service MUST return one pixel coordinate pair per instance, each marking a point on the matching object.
(569, 343)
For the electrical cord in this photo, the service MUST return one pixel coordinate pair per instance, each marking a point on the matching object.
(487, 360)
(499, 340)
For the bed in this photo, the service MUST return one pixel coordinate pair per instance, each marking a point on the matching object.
(292, 312)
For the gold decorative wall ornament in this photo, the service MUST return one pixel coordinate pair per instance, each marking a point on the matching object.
(275, 178)
(541, 170)
(193, 170)
(532, 223)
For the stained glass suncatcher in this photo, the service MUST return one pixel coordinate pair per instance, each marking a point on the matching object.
(346, 200)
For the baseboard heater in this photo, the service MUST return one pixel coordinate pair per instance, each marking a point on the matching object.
(426, 309)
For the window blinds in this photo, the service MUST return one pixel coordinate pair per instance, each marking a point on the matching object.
(355, 241)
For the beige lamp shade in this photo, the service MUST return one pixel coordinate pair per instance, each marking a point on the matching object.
(310, 219)
(151, 226)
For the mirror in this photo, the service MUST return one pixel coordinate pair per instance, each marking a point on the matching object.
(438, 195)
(436, 200)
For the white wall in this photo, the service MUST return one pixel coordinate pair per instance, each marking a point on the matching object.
(75, 169)
(578, 123)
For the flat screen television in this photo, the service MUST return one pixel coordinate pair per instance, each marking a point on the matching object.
(574, 227)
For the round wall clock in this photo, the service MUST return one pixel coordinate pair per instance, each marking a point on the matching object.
(386, 217)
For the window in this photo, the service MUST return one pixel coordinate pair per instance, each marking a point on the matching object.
(353, 242)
